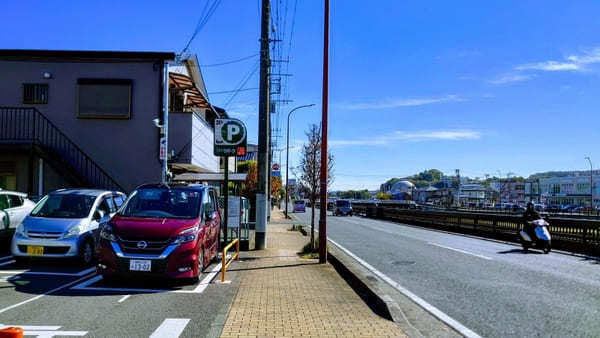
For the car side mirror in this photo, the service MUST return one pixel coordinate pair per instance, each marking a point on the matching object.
(4, 221)
(98, 214)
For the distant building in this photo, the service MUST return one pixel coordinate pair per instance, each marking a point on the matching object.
(509, 191)
(562, 190)
(402, 190)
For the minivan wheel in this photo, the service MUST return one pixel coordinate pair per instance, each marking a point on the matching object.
(86, 255)
(201, 261)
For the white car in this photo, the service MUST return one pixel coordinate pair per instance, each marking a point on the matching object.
(14, 207)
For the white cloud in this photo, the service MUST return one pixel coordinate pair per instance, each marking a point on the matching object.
(404, 136)
(397, 102)
(550, 66)
(591, 56)
(508, 78)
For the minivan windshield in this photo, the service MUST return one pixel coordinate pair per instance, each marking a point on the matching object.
(64, 206)
(162, 203)
(299, 202)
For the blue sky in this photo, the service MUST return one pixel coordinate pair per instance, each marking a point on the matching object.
(484, 86)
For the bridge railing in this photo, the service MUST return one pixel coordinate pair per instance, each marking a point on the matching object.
(575, 234)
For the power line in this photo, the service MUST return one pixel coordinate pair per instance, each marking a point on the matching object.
(204, 17)
(230, 62)
(232, 91)
(242, 84)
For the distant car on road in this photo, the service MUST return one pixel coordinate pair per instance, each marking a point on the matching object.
(164, 231)
(14, 207)
(343, 208)
(299, 206)
(63, 224)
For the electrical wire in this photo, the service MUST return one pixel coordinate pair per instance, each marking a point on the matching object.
(207, 12)
(230, 62)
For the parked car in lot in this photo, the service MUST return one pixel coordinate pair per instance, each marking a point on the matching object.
(64, 223)
(342, 208)
(299, 206)
(14, 207)
(164, 231)
(552, 208)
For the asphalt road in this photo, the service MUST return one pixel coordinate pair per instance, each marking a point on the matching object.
(57, 298)
(492, 288)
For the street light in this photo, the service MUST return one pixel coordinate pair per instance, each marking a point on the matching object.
(591, 182)
(287, 156)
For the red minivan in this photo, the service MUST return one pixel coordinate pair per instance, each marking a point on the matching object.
(165, 231)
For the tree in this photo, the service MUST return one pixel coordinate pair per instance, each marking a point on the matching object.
(276, 186)
(383, 196)
(310, 172)
(249, 189)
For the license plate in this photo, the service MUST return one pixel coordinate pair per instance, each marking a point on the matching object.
(35, 250)
(140, 265)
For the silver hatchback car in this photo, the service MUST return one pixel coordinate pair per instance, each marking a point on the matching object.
(64, 224)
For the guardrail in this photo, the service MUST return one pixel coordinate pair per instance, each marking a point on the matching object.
(581, 235)
(224, 263)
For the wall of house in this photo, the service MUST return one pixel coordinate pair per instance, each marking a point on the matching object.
(126, 149)
(203, 145)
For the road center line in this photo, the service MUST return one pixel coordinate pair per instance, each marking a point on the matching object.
(461, 251)
(170, 327)
(5, 257)
(64, 286)
(124, 298)
(418, 300)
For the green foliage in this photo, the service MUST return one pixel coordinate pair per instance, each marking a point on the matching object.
(384, 196)
(354, 194)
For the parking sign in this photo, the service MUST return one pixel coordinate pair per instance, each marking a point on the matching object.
(230, 137)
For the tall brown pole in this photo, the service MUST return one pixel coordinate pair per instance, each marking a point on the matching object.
(324, 162)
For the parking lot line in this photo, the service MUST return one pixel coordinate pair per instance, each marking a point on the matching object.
(198, 289)
(44, 294)
(5, 257)
(49, 273)
(124, 298)
(7, 263)
(170, 327)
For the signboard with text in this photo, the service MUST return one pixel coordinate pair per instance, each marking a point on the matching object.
(230, 137)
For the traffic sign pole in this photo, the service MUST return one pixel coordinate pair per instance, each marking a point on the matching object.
(226, 201)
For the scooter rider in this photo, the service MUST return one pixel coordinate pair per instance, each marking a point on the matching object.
(529, 216)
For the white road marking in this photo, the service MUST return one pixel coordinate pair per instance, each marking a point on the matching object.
(8, 279)
(418, 300)
(44, 331)
(199, 289)
(42, 295)
(170, 328)
(124, 298)
(5, 257)
(461, 251)
(7, 263)
(48, 273)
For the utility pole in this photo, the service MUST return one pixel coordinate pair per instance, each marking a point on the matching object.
(164, 146)
(287, 156)
(458, 190)
(263, 131)
(324, 157)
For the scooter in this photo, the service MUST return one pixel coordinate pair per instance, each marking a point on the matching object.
(542, 238)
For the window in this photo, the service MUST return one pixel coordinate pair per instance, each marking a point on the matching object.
(3, 202)
(35, 93)
(104, 98)
(107, 206)
(118, 200)
(15, 201)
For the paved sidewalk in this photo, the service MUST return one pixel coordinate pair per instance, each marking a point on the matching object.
(283, 295)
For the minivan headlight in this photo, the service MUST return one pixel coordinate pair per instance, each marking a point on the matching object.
(74, 231)
(20, 230)
(187, 235)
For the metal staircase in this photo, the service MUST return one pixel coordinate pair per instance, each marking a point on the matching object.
(28, 126)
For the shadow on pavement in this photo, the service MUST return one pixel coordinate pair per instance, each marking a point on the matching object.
(519, 251)
(273, 267)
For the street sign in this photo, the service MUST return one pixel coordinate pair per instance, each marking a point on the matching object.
(275, 166)
(163, 149)
(230, 137)
(276, 173)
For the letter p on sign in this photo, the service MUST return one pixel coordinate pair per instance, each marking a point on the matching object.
(232, 130)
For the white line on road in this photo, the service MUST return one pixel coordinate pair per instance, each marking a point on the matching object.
(42, 295)
(461, 251)
(418, 300)
(5, 257)
(170, 328)
(7, 263)
(124, 298)
(199, 289)
(48, 273)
